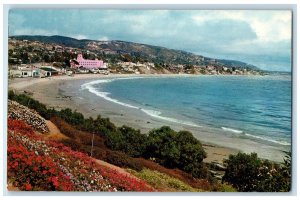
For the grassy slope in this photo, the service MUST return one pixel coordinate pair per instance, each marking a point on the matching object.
(163, 182)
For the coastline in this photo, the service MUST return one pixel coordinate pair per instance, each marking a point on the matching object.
(57, 92)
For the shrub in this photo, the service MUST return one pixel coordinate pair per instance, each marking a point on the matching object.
(100, 126)
(82, 137)
(247, 172)
(242, 170)
(176, 150)
(72, 144)
(127, 140)
(64, 127)
(122, 160)
(168, 147)
(74, 118)
(202, 184)
(224, 188)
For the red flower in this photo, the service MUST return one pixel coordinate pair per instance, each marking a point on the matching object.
(54, 181)
(39, 158)
(28, 186)
(52, 171)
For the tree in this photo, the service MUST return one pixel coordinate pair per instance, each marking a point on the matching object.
(191, 152)
(135, 141)
(248, 173)
(242, 171)
(176, 150)
(46, 58)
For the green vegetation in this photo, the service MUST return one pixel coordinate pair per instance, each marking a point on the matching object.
(176, 150)
(128, 140)
(82, 141)
(110, 51)
(248, 173)
(169, 148)
(33, 104)
(163, 182)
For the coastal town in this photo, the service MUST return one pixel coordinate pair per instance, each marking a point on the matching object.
(39, 59)
(126, 99)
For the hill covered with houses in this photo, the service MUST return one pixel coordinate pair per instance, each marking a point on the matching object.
(119, 56)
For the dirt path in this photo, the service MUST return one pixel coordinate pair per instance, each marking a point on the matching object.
(54, 132)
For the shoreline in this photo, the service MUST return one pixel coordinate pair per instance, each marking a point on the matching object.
(57, 92)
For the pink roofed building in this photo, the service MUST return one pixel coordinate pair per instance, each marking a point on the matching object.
(88, 64)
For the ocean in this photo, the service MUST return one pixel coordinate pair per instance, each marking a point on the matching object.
(256, 108)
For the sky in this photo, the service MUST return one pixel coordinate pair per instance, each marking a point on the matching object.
(258, 37)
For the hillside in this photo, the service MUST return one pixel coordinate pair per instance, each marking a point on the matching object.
(163, 160)
(135, 51)
(65, 147)
(36, 162)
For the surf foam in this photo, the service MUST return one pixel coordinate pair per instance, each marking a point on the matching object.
(268, 139)
(157, 115)
(256, 137)
(231, 130)
(152, 113)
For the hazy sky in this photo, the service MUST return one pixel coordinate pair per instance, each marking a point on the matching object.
(262, 38)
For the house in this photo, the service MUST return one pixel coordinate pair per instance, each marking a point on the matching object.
(20, 73)
(48, 71)
(82, 70)
(88, 64)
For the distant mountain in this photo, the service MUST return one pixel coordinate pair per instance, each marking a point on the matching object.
(151, 53)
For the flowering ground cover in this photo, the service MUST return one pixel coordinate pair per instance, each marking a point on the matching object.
(43, 165)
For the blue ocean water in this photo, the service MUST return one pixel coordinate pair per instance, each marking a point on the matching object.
(255, 107)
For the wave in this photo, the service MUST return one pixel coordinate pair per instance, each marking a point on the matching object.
(89, 84)
(104, 95)
(268, 139)
(231, 130)
(157, 114)
(256, 137)
(152, 113)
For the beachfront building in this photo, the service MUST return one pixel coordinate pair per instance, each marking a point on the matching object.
(24, 72)
(87, 64)
(47, 71)
(20, 73)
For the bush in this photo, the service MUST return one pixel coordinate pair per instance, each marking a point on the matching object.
(100, 126)
(82, 137)
(127, 140)
(75, 146)
(176, 150)
(242, 171)
(168, 147)
(122, 160)
(64, 127)
(73, 118)
(248, 173)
